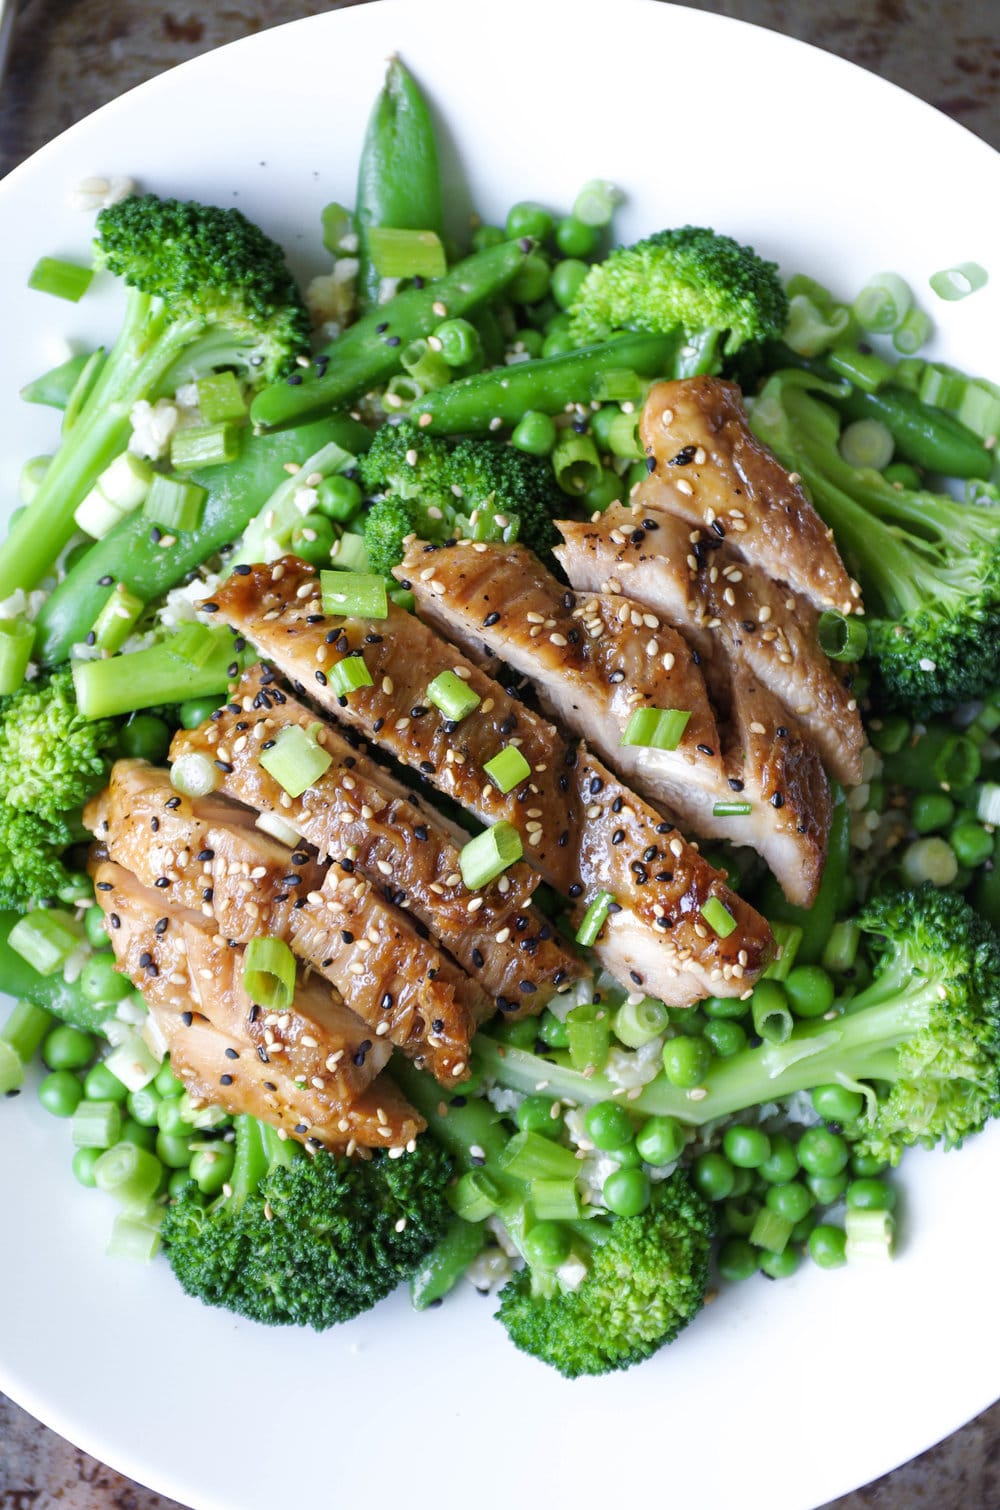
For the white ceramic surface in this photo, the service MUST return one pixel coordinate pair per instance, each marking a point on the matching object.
(781, 1395)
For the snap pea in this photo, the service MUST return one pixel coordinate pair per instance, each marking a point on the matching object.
(130, 554)
(55, 387)
(446, 1263)
(67, 1002)
(474, 404)
(399, 179)
(924, 435)
(367, 354)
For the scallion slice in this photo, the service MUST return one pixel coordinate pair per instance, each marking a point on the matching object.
(133, 1062)
(114, 623)
(718, 917)
(988, 803)
(594, 919)
(914, 332)
(349, 554)
(96, 1124)
(174, 503)
(220, 397)
(427, 366)
(596, 201)
(46, 938)
(399, 253)
(349, 675)
(356, 595)
(867, 443)
(871, 1235)
(67, 280)
(489, 854)
(337, 223)
(194, 775)
(618, 385)
(453, 697)
(204, 446)
(136, 1237)
(296, 760)
(959, 282)
(475, 1196)
(17, 637)
(269, 974)
(576, 463)
(129, 1173)
(555, 1200)
(732, 809)
(656, 728)
(529, 1156)
(883, 305)
(508, 769)
(840, 638)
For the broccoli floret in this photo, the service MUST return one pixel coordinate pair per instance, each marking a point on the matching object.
(307, 1240)
(477, 489)
(718, 294)
(928, 565)
(599, 1292)
(922, 1041)
(206, 289)
(31, 868)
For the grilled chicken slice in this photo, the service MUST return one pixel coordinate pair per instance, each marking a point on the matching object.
(728, 611)
(712, 472)
(594, 660)
(312, 1070)
(399, 843)
(373, 954)
(580, 828)
(200, 852)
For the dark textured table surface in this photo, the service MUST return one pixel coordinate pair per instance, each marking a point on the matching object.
(70, 56)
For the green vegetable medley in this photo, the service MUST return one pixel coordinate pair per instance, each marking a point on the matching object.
(613, 1160)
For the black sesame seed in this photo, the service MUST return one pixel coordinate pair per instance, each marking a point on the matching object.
(187, 1018)
(777, 800)
(736, 784)
(232, 1054)
(635, 977)
(650, 464)
(114, 920)
(161, 881)
(242, 571)
(205, 855)
(575, 890)
(477, 958)
(347, 936)
(226, 1079)
(105, 581)
(684, 456)
(618, 836)
(386, 1002)
(419, 832)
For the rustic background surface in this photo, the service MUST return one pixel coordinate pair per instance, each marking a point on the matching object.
(70, 56)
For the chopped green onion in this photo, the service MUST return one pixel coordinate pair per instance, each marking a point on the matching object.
(96, 1124)
(129, 1173)
(489, 854)
(406, 254)
(787, 937)
(194, 775)
(175, 503)
(403, 598)
(623, 437)
(596, 201)
(866, 443)
(941, 386)
(656, 728)
(296, 760)
(841, 948)
(356, 595)
(594, 919)
(46, 938)
(136, 1237)
(114, 623)
(914, 332)
(732, 809)
(220, 397)
(133, 1063)
(718, 917)
(25, 1029)
(842, 639)
(204, 446)
(529, 1156)
(269, 973)
(884, 304)
(17, 637)
(870, 1234)
(401, 391)
(576, 463)
(772, 1016)
(618, 385)
(349, 554)
(959, 282)
(475, 1196)
(508, 769)
(555, 1200)
(810, 330)
(455, 698)
(771, 1231)
(121, 488)
(195, 644)
(931, 859)
(337, 223)
(349, 675)
(639, 1023)
(67, 280)
(988, 803)
(425, 365)
(11, 1069)
(980, 410)
(865, 369)
(273, 824)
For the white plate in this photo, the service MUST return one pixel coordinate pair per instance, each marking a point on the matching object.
(781, 1395)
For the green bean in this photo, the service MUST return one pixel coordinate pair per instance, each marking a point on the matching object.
(445, 1264)
(940, 758)
(367, 354)
(399, 178)
(475, 404)
(924, 435)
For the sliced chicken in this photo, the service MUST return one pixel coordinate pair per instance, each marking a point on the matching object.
(367, 948)
(580, 828)
(398, 842)
(712, 472)
(594, 660)
(728, 611)
(312, 1070)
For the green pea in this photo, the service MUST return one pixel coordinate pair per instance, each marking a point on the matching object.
(871, 1195)
(601, 421)
(802, 1228)
(687, 1020)
(526, 218)
(726, 1038)
(746, 1147)
(567, 277)
(608, 1125)
(485, 236)
(627, 1192)
(100, 1085)
(973, 846)
(781, 1164)
(101, 981)
(827, 1246)
(60, 1093)
(143, 1105)
(535, 433)
(558, 343)
(743, 1181)
(574, 238)
(660, 1140)
(166, 1081)
(170, 1119)
(740, 1212)
(724, 1006)
(95, 927)
(173, 1151)
(827, 1188)
(931, 812)
(532, 280)
(196, 710)
(520, 1035)
(552, 1031)
(145, 737)
(67, 1048)
(535, 1115)
(866, 1165)
(780, 1265)
(135, 1132)
(210, 1168)
(608, 489)
(835, 1103)
(83, 1165)
(737, 1260)
(822, 1152)
(810, 990)
(792, 1201)
(179, 1183)
(547, 1245)
(686, 1061)
(77, 890)
(529, 340)
(628, 1156)
(312, 539)
(712, 1175)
